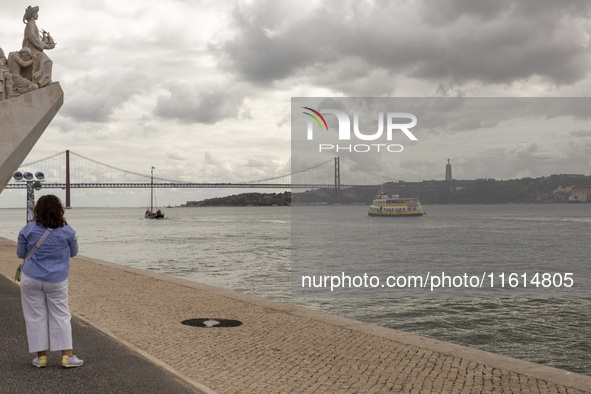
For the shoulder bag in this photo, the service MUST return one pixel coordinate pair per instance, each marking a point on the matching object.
(19, 270)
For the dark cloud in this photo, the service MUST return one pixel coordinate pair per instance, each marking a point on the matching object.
(533, 151)
(461, 41)
(449, 11)
(199, 104)
(581, 133)
(97, 95)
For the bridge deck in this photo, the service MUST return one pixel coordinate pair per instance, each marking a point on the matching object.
(135, 185)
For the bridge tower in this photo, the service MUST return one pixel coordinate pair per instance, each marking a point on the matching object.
(67, 179)
(337, 180)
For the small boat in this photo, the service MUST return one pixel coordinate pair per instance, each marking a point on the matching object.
(385, 205)
(154, 215)
(150, 214)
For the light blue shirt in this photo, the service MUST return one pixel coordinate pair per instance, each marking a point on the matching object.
(51, 262)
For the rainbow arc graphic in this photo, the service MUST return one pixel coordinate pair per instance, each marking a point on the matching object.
(315, 118)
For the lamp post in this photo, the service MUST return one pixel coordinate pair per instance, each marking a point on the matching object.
(32, 185)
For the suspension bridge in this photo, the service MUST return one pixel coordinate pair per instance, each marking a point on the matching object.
(70, 170)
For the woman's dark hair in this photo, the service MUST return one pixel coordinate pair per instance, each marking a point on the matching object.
(49, 212)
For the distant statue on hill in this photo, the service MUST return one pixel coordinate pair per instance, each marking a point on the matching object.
(41, 72)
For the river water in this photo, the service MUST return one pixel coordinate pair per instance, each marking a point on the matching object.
(248, 249)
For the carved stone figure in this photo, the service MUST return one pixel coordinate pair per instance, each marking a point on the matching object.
(5, 79)
(41, 72)
(19, 64)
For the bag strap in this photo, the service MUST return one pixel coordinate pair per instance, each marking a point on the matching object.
(38, 244)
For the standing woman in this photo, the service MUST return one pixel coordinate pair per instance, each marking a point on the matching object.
(44, 282)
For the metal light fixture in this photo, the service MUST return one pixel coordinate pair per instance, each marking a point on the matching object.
(17, 175)
(31, 187)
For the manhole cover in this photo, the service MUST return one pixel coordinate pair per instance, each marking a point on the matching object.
(208, 323)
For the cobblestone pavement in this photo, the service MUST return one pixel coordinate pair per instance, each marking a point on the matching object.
(281, 348)
(127, 371)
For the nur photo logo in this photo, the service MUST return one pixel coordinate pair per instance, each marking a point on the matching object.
(393, 123)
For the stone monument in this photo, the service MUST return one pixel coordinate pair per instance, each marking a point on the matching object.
(28, 98)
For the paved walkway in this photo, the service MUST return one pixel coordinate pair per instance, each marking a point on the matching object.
(112, 367)
(279, 348)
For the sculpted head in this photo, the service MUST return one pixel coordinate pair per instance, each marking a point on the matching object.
(25, 53)
(31, 13)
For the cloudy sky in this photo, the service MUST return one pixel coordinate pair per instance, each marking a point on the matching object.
(202, 90)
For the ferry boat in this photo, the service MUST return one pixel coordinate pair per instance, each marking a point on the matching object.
(385, 205)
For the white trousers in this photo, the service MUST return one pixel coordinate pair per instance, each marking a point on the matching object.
(47, 315)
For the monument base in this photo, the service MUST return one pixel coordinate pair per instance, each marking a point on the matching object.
(23, 120)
